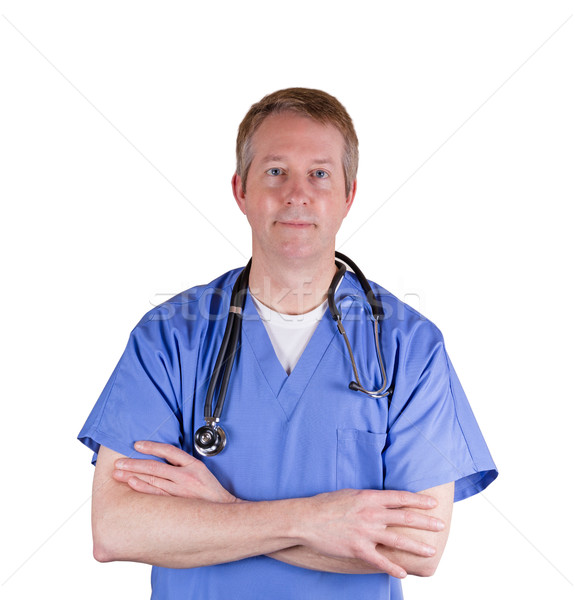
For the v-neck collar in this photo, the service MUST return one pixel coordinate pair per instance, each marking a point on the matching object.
(287, 389)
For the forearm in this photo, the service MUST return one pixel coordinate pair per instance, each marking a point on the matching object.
(425, 566)
(301, 556)
(178, 515)
(181, 532)
(304, 557)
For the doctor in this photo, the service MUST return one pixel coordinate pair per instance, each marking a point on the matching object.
(321, 492)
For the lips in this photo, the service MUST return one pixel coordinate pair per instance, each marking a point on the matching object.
(296, 224)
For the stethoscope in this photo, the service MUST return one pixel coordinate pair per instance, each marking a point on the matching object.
(211, 439)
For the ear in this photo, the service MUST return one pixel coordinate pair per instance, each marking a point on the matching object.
(351, 196)
(239, 194)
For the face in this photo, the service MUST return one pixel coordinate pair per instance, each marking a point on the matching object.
(295, 197)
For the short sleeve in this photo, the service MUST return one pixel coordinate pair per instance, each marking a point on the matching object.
(141, 400)
(433, 437)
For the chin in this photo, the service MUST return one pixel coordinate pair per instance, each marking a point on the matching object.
(298, 250)
(302, 258)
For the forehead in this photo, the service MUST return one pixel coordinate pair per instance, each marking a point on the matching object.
(294, 135)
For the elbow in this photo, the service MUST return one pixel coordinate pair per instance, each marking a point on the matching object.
(101, 553)
(107, 540)
(110, 549)
(102, 548)
(424, 568)
(426, 571)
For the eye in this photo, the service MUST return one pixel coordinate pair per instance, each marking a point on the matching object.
(274, 171)
(321, 174)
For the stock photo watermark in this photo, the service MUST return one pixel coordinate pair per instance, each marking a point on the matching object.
(205, 303)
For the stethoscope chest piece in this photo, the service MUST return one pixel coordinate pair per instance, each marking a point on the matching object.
(210, 439)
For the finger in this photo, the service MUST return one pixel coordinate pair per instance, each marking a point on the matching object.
(144, 483)
(143, 487)
(406, 518)
(125, 476)
(175, 456)
(401, 499)
(122, 476)
(397, 541)
(146, 467)
(382, 563)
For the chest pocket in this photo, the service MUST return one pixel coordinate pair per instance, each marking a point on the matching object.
(359, 459)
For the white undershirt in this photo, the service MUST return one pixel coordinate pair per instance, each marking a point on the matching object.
(289, 334)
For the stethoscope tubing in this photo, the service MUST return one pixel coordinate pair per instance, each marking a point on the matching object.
(227, 352)
(210, 439)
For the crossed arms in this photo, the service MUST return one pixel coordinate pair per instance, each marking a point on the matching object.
(178, 515)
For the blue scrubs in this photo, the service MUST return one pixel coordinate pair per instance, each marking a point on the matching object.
(297, 435)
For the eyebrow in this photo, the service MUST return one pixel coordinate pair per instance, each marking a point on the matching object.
(279, 157)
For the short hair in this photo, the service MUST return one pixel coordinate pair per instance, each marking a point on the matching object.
(315, 104)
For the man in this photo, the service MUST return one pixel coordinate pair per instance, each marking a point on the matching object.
(321, 491)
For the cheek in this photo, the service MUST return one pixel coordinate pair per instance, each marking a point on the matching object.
(256, 215)
(335, 220)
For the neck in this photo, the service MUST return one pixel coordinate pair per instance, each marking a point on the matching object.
(295, 286)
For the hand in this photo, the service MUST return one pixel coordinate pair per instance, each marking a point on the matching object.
(354, 524)
(184, 476)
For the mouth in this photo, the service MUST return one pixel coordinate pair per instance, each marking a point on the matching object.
(295, 224)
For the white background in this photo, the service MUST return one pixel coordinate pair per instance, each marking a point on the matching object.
(118, 123)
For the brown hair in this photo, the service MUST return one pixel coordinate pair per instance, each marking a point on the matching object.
(315, 104)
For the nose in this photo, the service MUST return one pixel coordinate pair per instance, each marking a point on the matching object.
(296, 193)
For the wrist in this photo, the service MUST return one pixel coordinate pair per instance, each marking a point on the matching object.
(301, 517)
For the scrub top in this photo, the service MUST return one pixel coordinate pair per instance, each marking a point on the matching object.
(297, 435)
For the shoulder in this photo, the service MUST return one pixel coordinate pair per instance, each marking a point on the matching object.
(406, 321)
(400, 320)
(190, 309)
